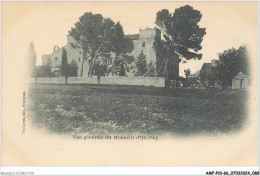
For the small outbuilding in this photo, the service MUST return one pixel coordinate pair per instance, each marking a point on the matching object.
(240, 81)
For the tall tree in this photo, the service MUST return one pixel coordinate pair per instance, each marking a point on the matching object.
(68, 70)
(64, 57)
(31, 62)
(230, 63)
(141, 64)
(97, 35)
(182, 39)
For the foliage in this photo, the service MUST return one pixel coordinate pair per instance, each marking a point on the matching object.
(115, 109)
(141, 64)
(97, 34)
(194, 82)
(99, 69)
(129, 59)
(183, 81)
(191, 81)
(35, 73)
(42, 71)
(128, 47)
(119, 66)
(31, 62)
(208, 81)
(230, 63)
(64, 57)
(182, 36)
(182, 31)
(66, 69)
(69, 70)
(57, 73)
(187, 73)
(74, 68)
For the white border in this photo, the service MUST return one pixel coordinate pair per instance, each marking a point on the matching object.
(125, 170)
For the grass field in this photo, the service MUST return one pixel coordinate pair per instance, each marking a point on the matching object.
(103, 109)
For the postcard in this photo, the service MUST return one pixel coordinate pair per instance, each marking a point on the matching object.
(130, 83)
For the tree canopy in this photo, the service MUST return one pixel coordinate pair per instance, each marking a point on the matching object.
(97, 35)
(230, 63)
(181, 32)
(187, 72)
(99, 69)
(141, 64)
(42, 71)
(181, 40)
(68, 70)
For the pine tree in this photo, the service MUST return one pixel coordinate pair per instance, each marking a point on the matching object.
(31, 62)
(141, 64)
(64, 57)
(182, 37)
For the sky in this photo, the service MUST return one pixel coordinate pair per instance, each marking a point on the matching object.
(228, 24)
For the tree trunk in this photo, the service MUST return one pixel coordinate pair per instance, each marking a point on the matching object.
(167, 80)
(35, 80)
(66, 80)
(92, 63)
(82, 66)
(172, 71)
(98, 79)
(83, 59)
(166, 73)
(175, 71)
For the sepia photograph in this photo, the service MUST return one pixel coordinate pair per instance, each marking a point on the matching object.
(130, 83)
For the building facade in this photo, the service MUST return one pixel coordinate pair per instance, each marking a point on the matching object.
(240, 81)
(141, 42)
(74, 52)
(144, 42)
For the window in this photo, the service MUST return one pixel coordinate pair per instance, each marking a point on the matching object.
(56, 59)
(143, 44)
(79, 59)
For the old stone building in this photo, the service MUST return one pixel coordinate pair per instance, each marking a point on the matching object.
(142, 42)
(74, 52)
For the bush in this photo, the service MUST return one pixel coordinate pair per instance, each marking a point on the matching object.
(141, 64)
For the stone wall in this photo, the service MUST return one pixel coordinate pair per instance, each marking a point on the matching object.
(120, 80)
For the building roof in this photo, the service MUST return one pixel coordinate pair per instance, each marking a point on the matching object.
(207, 68)
(132, 36)
(240, 75)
